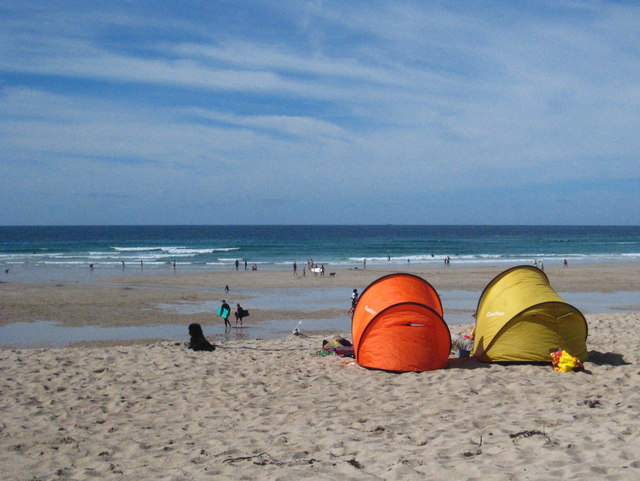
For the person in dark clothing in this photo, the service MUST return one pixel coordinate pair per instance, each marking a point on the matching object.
(240, 313)
(227, 322)
(198, 342)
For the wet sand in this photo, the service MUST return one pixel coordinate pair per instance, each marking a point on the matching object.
(135, 300)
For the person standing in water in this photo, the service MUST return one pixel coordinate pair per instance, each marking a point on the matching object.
(240, 313)
(225, 310)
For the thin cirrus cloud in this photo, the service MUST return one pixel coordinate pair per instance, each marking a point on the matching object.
(409, 100)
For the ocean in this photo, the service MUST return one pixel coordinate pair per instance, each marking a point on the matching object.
(38, 251)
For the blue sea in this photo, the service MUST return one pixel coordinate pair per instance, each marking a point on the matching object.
(39, 251)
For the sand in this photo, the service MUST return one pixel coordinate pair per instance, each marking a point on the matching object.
(134, 300)
(276, 410)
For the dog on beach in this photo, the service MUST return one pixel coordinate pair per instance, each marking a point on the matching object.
(198, 342)
(332, 274)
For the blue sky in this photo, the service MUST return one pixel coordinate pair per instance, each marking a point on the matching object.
(319, 112)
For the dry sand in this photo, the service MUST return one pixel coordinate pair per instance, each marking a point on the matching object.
(274, 409)
(277, 410)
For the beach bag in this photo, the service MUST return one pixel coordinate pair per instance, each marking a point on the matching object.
(336, 342)
(345, 351)
(562, 361)
(338, 346)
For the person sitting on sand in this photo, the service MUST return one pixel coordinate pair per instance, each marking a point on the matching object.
(465, 342)
(198, 342)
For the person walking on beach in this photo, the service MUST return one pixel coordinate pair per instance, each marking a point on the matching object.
(295, 268)
(566, 264)
(239, 314)
(237, 264)
(225, 310)
(354, 301)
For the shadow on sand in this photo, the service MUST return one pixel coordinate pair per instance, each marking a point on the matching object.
(607, 359)
(466, 363)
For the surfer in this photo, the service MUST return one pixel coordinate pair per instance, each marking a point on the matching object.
(224, 312)
(240, 313)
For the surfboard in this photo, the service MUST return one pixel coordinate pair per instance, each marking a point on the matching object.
(223, 312)
(245, 313)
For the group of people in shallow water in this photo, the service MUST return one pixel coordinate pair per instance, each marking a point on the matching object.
(254, 267)
(225, 310)
(198, 342)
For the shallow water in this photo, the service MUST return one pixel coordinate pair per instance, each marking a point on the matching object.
(52, 334)
(278, 299)
(458, 307)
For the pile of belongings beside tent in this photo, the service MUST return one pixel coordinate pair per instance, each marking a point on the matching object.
(562, 361)
(338, 346)
(398, 324)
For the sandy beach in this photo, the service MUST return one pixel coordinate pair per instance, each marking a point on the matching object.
(275, 409)
(232, 176)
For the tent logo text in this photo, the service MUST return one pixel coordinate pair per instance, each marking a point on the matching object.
(492, 314)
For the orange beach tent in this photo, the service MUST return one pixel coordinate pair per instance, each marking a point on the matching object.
(398, 326)
(521, 318)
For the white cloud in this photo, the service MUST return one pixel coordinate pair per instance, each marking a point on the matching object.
(407, 96)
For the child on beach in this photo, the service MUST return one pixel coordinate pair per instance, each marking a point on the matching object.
(354, 301)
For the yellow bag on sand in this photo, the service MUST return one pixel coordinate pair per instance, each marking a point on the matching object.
(564, 362)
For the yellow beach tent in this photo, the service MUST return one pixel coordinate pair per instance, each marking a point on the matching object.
(521, 318)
